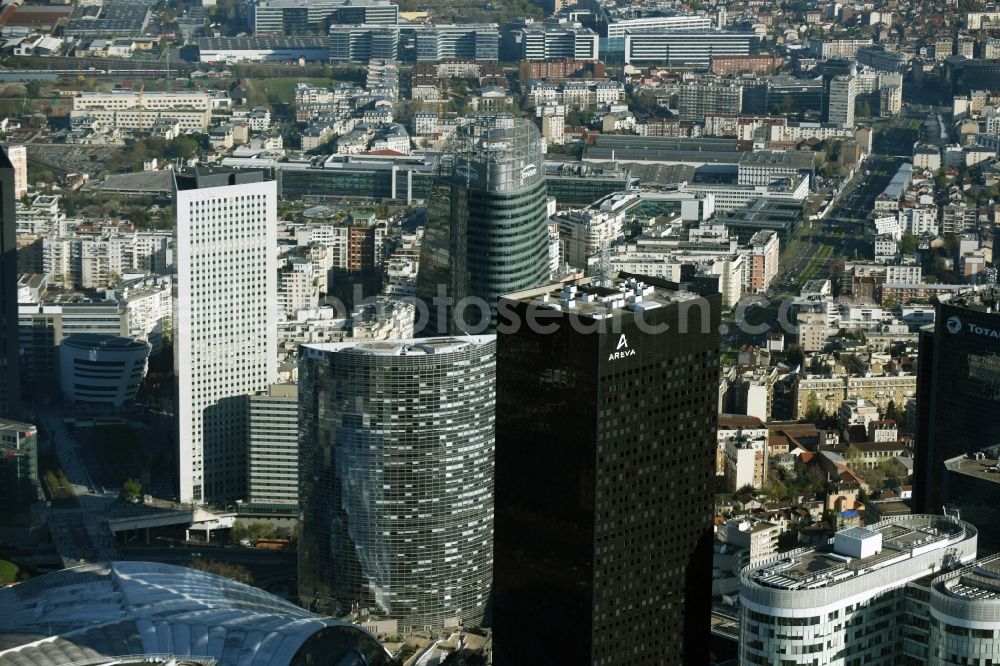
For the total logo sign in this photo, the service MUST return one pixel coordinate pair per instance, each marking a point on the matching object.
(955, 325)
(622, 350)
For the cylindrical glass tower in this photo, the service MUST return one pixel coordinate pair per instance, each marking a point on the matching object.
(486, 233)
(396, 444)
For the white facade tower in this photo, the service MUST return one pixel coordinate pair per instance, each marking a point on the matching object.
(226, 331)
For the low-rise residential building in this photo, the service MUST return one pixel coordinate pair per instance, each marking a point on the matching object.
(827, 393)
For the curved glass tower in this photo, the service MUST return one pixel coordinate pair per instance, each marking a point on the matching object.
(486, 233)
(396, 452)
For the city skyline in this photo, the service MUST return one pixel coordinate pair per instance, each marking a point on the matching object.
(506, 333)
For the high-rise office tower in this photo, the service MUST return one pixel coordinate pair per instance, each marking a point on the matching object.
(843, 94)
(19, 488)
(10, 383)
(17, 153)
(607, 399)
(486, 232)
(226, 330)
(958, 388)
(396, 478)
(273, 450)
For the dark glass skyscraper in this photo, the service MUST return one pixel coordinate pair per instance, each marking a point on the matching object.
(486, 231)
(10, 387)
(396, 479)
(606, 403)
(958, 388)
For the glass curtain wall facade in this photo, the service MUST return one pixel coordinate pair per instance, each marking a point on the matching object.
(396, 479)
(487, 222)
(19, 488)
(604, 474)
(958, 395)
(9, 361)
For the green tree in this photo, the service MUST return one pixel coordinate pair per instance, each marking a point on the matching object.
(131, 491)
(232, 571)
(775, 489)
(854, 457)
(908, 244)
(794, 356)
(183, 147)
(813, 411)
(951, 245)
(941, 180)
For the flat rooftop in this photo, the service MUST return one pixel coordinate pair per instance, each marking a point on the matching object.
(979, 469)
(261, 43)
(984, 298)
(411, 347)
(15, 425)
(587, 299)
(979, 582)
(793, 159)
(822, 567)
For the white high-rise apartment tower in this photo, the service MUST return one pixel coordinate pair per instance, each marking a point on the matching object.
(843, 93)
(18, 155)
(226, 331)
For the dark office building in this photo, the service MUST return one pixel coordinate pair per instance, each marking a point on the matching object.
(581, 184)
(965, 75)
(794, 95)
(487, 228)
(606, 428)
(958, 389)
(9, 378)
(969, 489)
(19, 489)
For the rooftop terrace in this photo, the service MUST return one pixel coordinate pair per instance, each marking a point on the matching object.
(902, 538)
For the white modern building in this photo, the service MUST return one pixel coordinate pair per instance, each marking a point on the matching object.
(965, 615)
(226, 341)
(728, 196)
(298, 287)
(845, 605)
(685, 48)
(745, 462)
(843, 93)
(149, 306)
(618, 22)
(562, 40)
(101, 369)
(17, 153)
